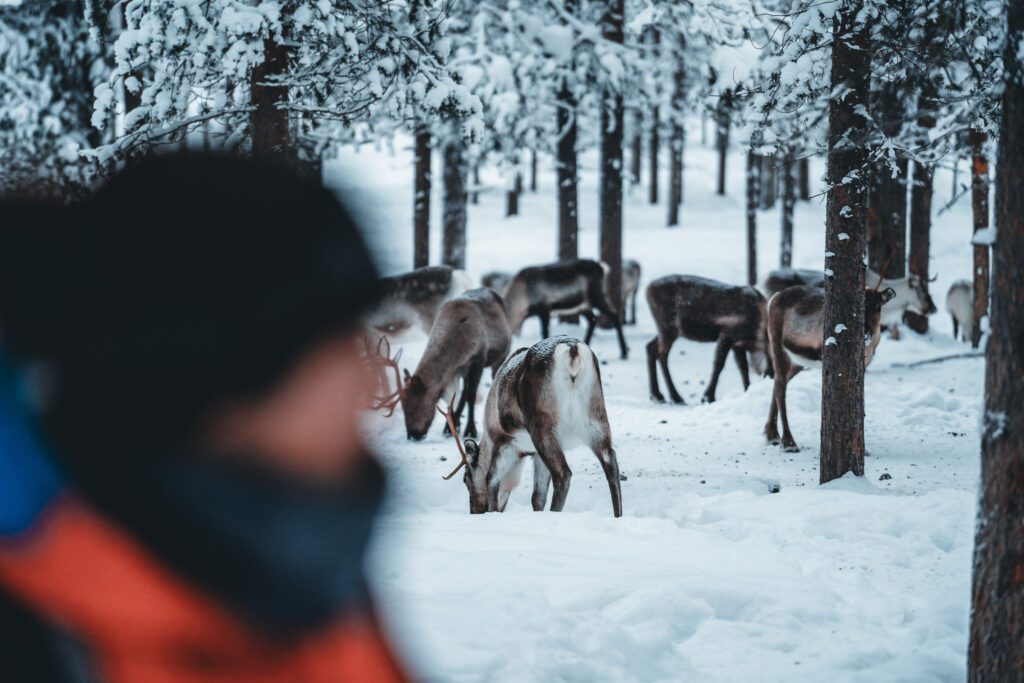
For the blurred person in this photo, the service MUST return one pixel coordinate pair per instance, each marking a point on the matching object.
(184, 493)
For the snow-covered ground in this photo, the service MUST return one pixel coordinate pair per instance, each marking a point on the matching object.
(709, 576)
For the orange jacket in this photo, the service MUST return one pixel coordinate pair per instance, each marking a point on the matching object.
(140, 622)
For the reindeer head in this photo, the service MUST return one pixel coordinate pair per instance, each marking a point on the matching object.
(920, 301)
(418, 405)
(475, 474)
(873, 302)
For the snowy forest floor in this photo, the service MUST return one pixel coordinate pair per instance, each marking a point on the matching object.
(708, 577)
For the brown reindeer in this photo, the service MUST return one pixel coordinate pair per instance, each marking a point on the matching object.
(707, 311)
(412, 300)
(781, 278)
(470, 334)
(796, 338)
(544, 401)
(566, 287)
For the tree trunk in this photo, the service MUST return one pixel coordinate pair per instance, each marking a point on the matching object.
(453, 220)
(637, 145)
(979, 207)
(997, 610)
(920, 236)
(611, 166)
(474, 196)
(421, 199)
(677, 140)
(512, 196)
(753, 198)
(722, 141)
(533, 170)
(269, 120)
(788, 206)
(887, 220)
(805, 179)
(842, 386)
(769, 181)
(921, 191)
(654, 142)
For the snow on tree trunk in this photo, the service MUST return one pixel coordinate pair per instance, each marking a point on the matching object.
(269, 119)
(805, 179)
(753, 197)
(722, 140)
(611, 165)
(421, 198)
(453, 209)
(842, 386)
(788, 205)
(979, 207)
(995, 651)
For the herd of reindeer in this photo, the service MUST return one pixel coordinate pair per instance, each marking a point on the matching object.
(547, 398)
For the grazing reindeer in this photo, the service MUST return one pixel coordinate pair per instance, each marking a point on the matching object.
(708, 311)
(544, 401)
(565, 287)
(796, 338)
(412, 300)
(496, 279)
(470, 334)
(960, 306)
(910, 294)
(782, 278)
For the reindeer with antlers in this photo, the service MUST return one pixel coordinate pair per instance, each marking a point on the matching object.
(470, 334)
(544, 401)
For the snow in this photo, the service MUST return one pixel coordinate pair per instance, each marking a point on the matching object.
(708, 576)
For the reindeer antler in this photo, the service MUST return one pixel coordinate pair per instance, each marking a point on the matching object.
(455, 432)
(381, 359)
(881, 274)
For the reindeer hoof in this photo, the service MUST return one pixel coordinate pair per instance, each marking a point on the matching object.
(657, 399)
(678, 400)
(772, 438)
(707, 399)
(790, 448)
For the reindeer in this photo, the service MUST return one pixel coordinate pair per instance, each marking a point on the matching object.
(960, 306)
(781, 278)
(910, 294)
(707, 311)
(470, 334)
(496, 280)
(566, 287)
(544, 401)
(411, 300)
(796, 338)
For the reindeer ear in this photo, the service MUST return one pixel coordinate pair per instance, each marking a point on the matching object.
(888, 294)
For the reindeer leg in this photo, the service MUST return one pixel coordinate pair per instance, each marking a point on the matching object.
(652, 371)
(602, 448)
(591, 322)
(788, 443)
(545, 323)
(741, 362)
(632, 316)
(663, 350)
(551, 454)
(510, 482)
(469, 389)
(600, 302)
(623, 349)
(956, 328)
(541, 483)
(457, 415)
(721, 353)
(771, 428)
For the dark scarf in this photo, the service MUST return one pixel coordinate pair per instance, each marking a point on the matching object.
(284, 557)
